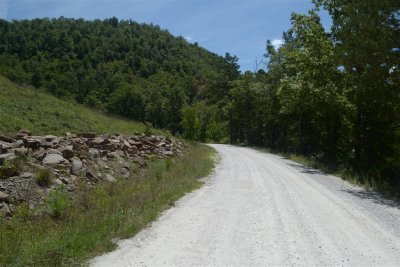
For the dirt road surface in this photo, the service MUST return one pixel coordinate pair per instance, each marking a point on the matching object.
(259, 209)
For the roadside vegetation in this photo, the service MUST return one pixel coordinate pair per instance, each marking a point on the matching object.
(68, 232)
(41, 113)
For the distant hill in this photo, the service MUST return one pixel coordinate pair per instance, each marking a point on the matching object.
(41, 113)
(134, 70)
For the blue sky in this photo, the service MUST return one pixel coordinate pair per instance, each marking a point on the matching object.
(240, 27)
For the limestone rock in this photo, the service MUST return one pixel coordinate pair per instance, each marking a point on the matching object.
(76, 165)
(3, 197)
(91, 173)
(52, 159)
(39, 154)
(87, 135)
(6, 139)
(32, 142)
(20, 151)
(18, 143)
(50, 138)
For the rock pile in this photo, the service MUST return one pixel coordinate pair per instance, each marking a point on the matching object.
(71, 159)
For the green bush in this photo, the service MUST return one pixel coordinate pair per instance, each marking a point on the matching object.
(148, 131)
(57, 202)
(7, 169)
(44, 177)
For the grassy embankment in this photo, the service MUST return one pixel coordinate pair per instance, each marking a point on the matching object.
(41, 113)
(90, 221)
(85, 225)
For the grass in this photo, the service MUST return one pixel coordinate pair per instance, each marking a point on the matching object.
(41, 113)
(85, 226)
(44, 177)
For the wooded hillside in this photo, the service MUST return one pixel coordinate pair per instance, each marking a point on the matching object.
(134, 70)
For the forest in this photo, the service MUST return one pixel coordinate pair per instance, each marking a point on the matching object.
(329, 94)
(133, 70)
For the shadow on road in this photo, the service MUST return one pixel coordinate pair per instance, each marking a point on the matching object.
(304, 169)
(373, 196)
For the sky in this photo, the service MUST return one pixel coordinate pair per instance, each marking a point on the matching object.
(240, 27)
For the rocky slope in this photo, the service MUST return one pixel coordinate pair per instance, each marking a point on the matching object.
(33, 166)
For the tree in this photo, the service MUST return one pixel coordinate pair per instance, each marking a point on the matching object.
(367, 41)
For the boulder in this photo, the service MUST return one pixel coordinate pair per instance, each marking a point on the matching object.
(167, 153)
(67, 153)
(100, 141)
(110, 178)
(22, 134)
(26, 175)
(126, 146)
(53, 151)
(39, 154)
(50, 138)
(76, 165)
(4, 147)
(6, 209)
(58, 182)
(140, 161)
(144, 141)
(116, 154)
(50, 141)
(18, 143)
(6, 139)
(94, 153)
(3, 197)
(33, 143)
(20, 151)
(8, 156)
(91, 172)
(162, 144)
(52, 159)
(82, 151)
(87, 135)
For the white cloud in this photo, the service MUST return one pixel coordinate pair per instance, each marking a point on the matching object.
(277, 43)
(3, 9)
(188, 38)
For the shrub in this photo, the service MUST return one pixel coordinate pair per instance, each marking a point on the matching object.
(44, 177)
(168, 163)
(147, 130)
(7, 169)
(20, 163)
(57, 202)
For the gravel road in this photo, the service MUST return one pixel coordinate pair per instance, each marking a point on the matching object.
(259, 209)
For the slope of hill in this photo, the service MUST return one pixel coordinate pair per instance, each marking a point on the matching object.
(129, 69)
(41, 113)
